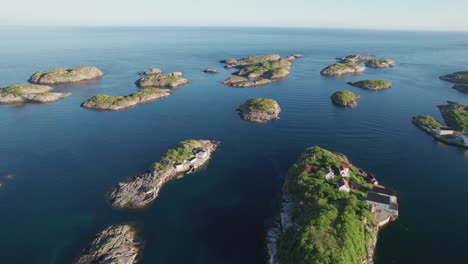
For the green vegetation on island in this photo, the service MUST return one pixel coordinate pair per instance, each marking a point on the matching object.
(457, 77)
(260, 110)
(182, 151)
(461, 87)
(372, 84)
(329, 226)
(66, 75)
(263, 105)
(380, 63)
(427, 121)
(29, 93)
(345, 98)
(342, 68)
(171, 80)
(455, 115)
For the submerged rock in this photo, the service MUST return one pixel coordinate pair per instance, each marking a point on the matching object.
(140, 190)
(371, 84)
(29, 93)
(345, 98)
(153, 71)
(342, 68)
(66, 75)
(170, 80)
(355, 58)
(115, 244)
(260, 110)
(456, 77)
(380, 63)
(104, 102)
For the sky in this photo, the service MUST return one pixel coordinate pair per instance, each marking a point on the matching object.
(361, 14)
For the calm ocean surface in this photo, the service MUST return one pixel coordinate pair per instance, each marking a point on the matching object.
(63, 158)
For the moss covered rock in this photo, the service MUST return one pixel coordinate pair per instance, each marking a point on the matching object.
(260, 110)
(345, 98)
(152, 71)
(342, 68)
(66, 75)
(372, 84)
(456, 77)
(29, 93)
(380, 63)
(170, 80)
(355, 58)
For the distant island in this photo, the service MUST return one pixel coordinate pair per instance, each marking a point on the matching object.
(331, 212)
(29, 94)
(355, 58)
(210, 71)
(456, 116)
(115, 244)
(371, 84)
(102, 102)
(456, 77)
(260, 110)
(258, 70)
(159, 80)
(140, 190)
(345, 98)
(461, 87)
(380, 63)
(66, 75)
(342, 69)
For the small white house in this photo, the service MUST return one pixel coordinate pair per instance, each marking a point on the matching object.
(442, 131)
(343, 185)
(383, 202)
(329, 174)
(344, 170)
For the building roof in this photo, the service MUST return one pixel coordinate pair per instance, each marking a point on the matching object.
(342, 182)
(381, 190)
(378, 198)
(344, 166)
(445, 128)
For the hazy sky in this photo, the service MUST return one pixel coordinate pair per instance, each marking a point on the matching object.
(374, 14)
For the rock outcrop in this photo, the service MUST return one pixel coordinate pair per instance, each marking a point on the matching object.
(211, 71)
(258, 70)
(342, 69)
(345, 98)
(66, 75)
(152, 71)
(104, 102)
(140, 190)
(372, 84)
(355, 58)
(29, 93)
(169, 80)
(115, 244)
(380, 63)
(260, 110)
(456, 77)
(461, 87)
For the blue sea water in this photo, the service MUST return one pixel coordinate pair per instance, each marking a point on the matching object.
(62, 159)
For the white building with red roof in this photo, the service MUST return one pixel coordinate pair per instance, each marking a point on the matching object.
(344, 170)
(343, 185)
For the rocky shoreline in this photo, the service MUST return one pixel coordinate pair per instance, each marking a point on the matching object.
(431, 130)
(66, 75)
(260, 110)
(29, 94)
(338, 69)
(115, 244)
(380, 63)
(104, 102)
(355, 58)
(456, 77)
(159, 80)
(140, 190)
(345, 99)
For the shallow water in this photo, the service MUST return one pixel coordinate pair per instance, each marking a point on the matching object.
(64, 158)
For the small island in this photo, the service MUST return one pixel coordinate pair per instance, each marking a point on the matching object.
(345, 98)
(66, 75)
(115, 244)
(380, 63)
(29, 93)
(355, 58)
(152, 71)
(461, 87)
(140, 190)
(102, 102)
(331, 212)
(342, 69)
(260, 70)
(259, 110)
(373, 85)
(169, 80)
(211, 71)
(456, 77)
(456, 116)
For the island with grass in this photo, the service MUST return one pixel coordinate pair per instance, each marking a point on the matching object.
(456, 116)
(140, 190)
(461, 87)
(380, 63)
(345, 99)
(355, 58)
(115, 244)
(328, 212)
(102, 102)
(259, 110)
(169, 80)
(66, 75)
(373, 85)
(260, 70)
(29, 94)
(456, 77)
(342, 69)
(152, 71)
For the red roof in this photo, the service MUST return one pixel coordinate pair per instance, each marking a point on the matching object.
(342, 182)
(344, 166)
